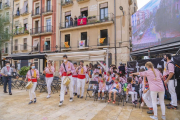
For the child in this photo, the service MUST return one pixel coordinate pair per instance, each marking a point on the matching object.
(102, 88)
(108, 80)
(130, 91)
(116, 88)
(95, 78)
(121, 79)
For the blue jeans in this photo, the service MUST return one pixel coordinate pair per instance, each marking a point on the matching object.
(7, 80)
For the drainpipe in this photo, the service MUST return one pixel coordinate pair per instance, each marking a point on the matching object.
(41, 29)
(12, 29)
(60, 26)
(115, 32)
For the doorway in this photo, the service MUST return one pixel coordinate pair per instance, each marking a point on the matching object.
(36, 26)
(104, 34)
(84, 37)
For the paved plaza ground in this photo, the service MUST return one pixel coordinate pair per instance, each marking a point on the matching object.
(16, 107)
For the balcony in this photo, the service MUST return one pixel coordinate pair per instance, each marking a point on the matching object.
(66, 3)
(5, 52)
(41, 30)
(82, 1)
(83, 44)
(21, 31)
(24, 12)
(90, 21)
(25, 48)
(103, 42)
(65, 46)
(5, 37)
(7, 5)
(1, 8)
(46, 47)
(17, 14)
(35, 49)
(36, 13)
(15, 48)
(47, 10)
(7, 20)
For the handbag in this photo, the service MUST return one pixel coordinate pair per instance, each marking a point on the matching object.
(29, 84)
(66, 80)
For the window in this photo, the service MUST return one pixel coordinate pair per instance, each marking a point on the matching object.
(36, 45)
(84, 38)
(16, 45)
(67, 39)
(103, 11)
(25, 44)
(48, 25)
(84, 12)
(48, 5)
(37, 29)
(26, 8)
(6, 48)
(17, 10)
(0, 5)
(67, 19)
(36, 63)
(104, 34)
(7, 16)
(47, 44)
(37, 9)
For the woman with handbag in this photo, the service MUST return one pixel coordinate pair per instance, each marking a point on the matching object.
(49, 72)
(32, 75)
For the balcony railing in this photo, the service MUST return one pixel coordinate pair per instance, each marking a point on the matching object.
(87, 21)
(7, 5)
(35, 49)
(21, 31)
(46, 47)
(65, 3)
(24, 11)
(36, 13)
(7, 19)
(41, 30)
(81, 1)
(15, 48)
(47, 9)
(17, 14)
(83, 44)
(103, 41)
(65, 46)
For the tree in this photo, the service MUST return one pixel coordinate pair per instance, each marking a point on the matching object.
(4, 34)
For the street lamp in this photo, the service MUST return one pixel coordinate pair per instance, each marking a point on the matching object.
(121, 8)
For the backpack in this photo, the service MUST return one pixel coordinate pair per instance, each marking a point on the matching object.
(176, 70)
(125, 87)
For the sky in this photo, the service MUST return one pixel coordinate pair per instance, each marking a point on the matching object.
(141, 3)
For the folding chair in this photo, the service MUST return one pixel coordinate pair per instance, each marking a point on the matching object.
(92, 83)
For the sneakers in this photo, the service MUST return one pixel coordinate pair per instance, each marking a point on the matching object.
(163, 117)
(30, 102)
(99, 98)
(109, 101)
(61, 102)
(142, 104)
(114, 102)
(102, 98)
(34, 100)
(77, 96)
(135, 102)
(81, 97)
(168, 104)
(154, 117)
(48, 96)
(10, 93)
(150, 112)
(71, 99)
(5, 92)
(172, 107)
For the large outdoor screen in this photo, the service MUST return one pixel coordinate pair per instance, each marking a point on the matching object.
(157, 23)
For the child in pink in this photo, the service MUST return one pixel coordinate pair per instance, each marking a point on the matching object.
(130, 91)
(108, 80)
(115, 88)
(102, 88)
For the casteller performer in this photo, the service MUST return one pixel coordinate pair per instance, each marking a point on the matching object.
(66, 69)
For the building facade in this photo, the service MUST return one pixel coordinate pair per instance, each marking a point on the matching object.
(95, 24)
(6, 8)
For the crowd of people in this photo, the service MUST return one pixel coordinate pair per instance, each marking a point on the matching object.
(148, 84)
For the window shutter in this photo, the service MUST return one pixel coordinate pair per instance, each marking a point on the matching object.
(67, 13)
(103, 5)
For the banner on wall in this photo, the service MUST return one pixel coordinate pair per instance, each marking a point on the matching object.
(82, 21)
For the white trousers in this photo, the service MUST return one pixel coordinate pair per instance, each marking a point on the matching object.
(147, 98)
(80, 84)
(172, 91)
(32, 93)
(87, 77)
(140, 89)
(133, 95)
(161, 100)
(74, 84)
(48, 82)
(63, 88)
(108, 87)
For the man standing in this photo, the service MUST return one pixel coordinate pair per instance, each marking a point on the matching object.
(81, 79)
(171, 81)
(66, 69)
(7, 73)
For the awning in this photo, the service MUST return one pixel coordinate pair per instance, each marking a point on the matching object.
(35, 43)
(26, 56)
(98, 55)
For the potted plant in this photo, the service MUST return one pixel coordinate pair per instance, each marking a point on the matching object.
(23, 71)
(89, 17)
(106, 18)
(20, 30)
(93, 16)
(26, 31)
